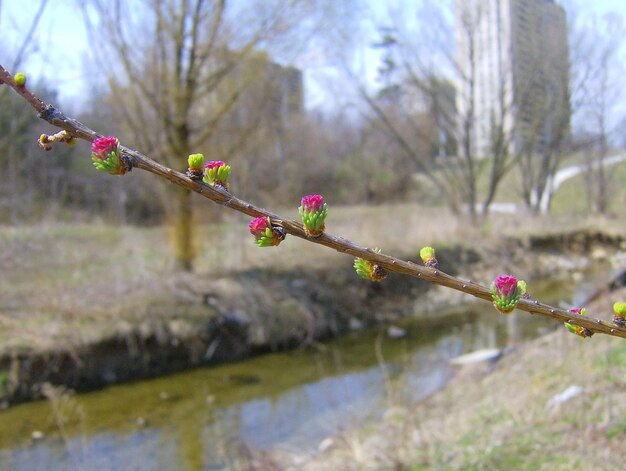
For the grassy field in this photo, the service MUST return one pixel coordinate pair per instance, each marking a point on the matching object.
(571, 198)
(73, 283)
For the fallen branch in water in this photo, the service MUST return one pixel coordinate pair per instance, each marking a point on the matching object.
(134, 159)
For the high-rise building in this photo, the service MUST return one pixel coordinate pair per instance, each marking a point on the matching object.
(512, 57)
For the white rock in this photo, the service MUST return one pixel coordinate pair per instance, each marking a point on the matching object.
(325, 444)
(599, 253)
(487, 354)
(355, 324)
(563, 397)
(396, 332)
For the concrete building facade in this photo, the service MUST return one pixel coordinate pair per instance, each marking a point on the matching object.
(512, 58)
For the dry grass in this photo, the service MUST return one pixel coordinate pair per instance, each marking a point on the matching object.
(73, 284)
(64, 278)
(402, 228)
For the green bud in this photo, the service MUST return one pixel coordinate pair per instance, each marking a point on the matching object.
(427, 253)
(368, 270)
(196, 162)
(619, 309)
(20, 79)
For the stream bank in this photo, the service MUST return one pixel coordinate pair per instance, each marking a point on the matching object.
(198, 320)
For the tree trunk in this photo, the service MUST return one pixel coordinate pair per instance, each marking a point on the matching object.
(182, 223)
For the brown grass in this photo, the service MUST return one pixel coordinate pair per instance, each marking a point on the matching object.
(73, 284)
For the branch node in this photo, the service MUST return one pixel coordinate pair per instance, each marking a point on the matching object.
(50, 114)
(128, 162)
(195, 175)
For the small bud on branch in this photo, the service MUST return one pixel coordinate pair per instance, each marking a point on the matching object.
(196, 164)
(313, 211)
(46, 141)
(264, 234)
(427, 254)
(369, 270)
(216, 173)
(619, 310)
(576, 329)
(20, 79)
(106, 156)
(506, 292)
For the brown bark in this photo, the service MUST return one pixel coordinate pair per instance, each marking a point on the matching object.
(182, 225)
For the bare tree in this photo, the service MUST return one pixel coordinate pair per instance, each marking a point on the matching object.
(599, 95)
(14, 122)
(435, 113)
(181, 74)
(545, 108)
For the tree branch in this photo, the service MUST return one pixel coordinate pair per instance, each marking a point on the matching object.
(224, 198)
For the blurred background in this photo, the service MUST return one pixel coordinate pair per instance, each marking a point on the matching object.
(487, 128)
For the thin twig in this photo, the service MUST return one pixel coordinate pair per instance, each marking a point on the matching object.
(224, 198)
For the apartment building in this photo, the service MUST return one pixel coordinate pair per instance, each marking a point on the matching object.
(512, 58)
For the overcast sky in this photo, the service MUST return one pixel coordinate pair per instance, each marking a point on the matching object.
(62, 45)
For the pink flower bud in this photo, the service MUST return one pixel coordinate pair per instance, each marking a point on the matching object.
(264, 233)
(505, 285)
(312, 202)
(216, 173)
(576, 329)
(103, 146)
(214, 164)
(258, 227)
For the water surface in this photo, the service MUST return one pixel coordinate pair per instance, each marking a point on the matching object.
(209, 417)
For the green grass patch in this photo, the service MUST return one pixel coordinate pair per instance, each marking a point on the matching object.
(572, 196)
(614, 357)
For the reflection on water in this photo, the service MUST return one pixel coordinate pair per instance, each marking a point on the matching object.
(206, 418)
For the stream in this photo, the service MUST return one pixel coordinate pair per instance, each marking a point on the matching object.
(207, 418)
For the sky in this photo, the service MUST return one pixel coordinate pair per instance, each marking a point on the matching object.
(62, 46)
